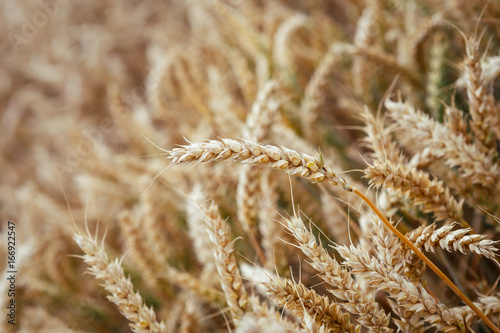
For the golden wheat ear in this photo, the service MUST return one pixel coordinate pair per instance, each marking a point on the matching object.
(130, 303)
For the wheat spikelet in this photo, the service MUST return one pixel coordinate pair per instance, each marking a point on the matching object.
(223, 252)
(432, 195)
(130, 303)
(419, 37)
(310, 325)
(429, 238)
(265, 319)
(473, 165)
(490, 68)
(490, 305)
(435, 73)
(455, 122)
(283, 40)
(365, 35)
(385, 243)
(378, 138)
(456, 240)
(270, 229)
(358, 301)
(196, 230)
(141, 255)
(246, 151)
(314, 92)
(482, 106)
(413, 298)
(288, 138)
(300, 301)
(257, 126)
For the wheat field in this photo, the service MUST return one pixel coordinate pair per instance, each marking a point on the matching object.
(250, 166)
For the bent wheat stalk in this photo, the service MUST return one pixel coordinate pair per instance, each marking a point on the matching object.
(303, 165)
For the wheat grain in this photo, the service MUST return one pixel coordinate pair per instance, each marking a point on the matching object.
(457, 240)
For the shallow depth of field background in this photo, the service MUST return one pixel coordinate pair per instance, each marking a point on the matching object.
(87, 87)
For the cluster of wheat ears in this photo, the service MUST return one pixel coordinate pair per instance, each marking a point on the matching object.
(252, 166)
